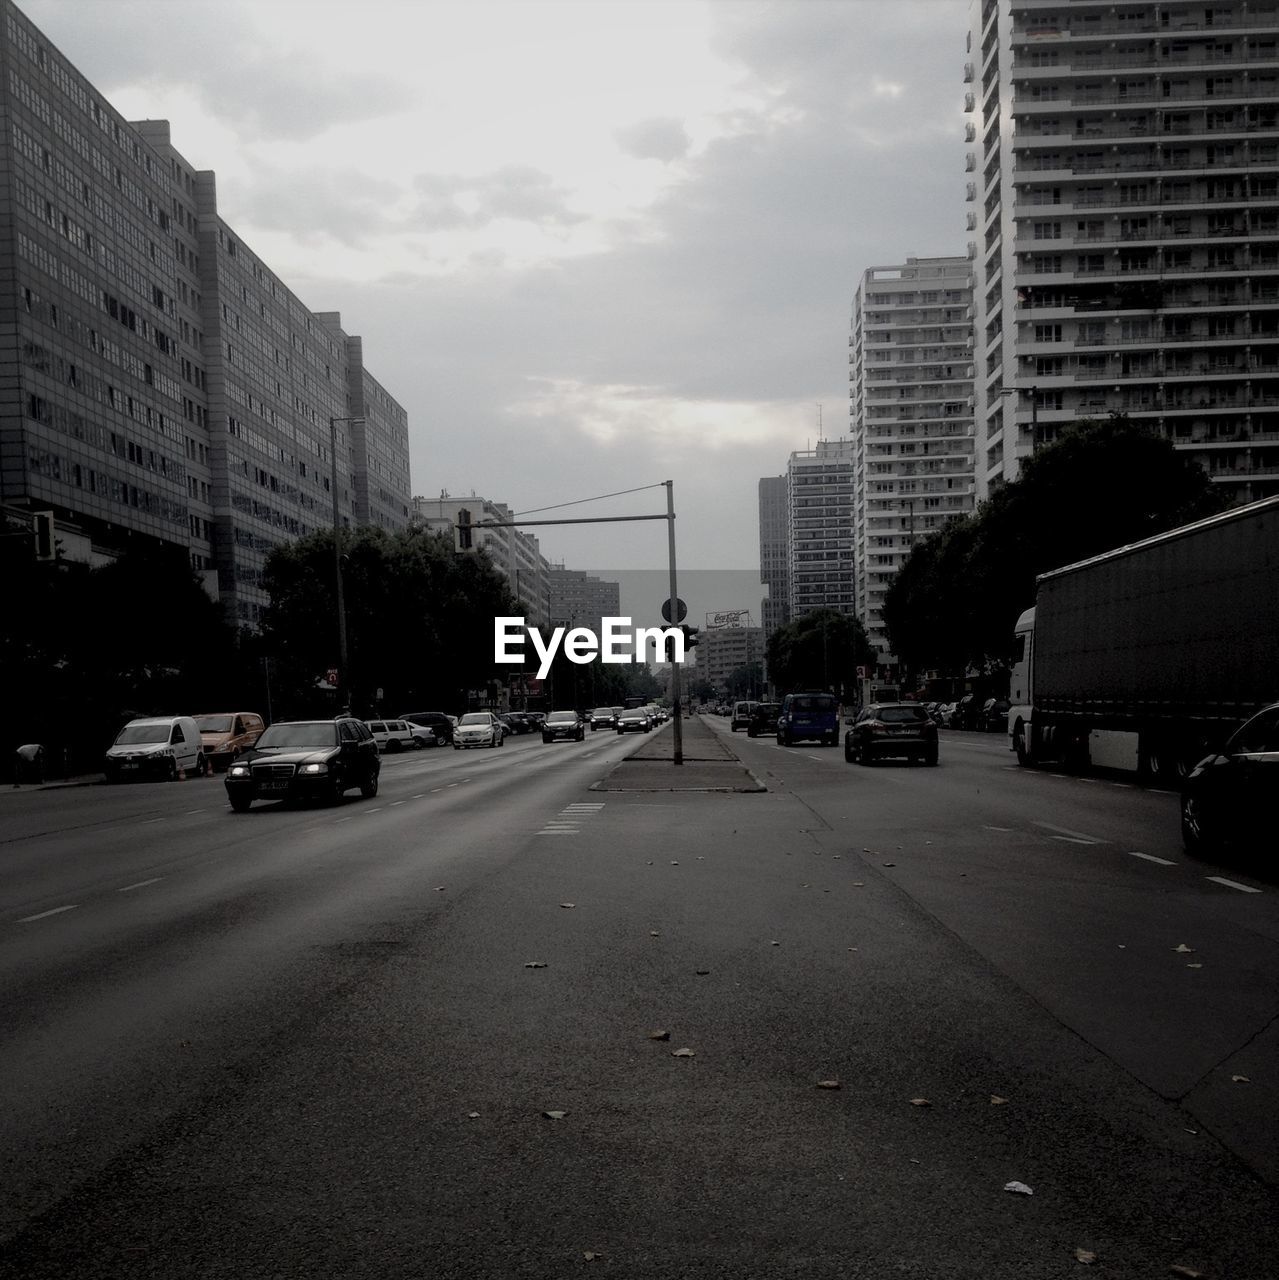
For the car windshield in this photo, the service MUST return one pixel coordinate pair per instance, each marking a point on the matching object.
(213, 724)
(813, 704)
(133, 734)
(602, 711)
(561, 717)
(299, 735)
(902, 715)
(475, 717)
(768, 708)
(634, 714)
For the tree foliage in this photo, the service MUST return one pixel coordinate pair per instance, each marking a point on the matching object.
(820, 650)
(954, 602)
(419, 620)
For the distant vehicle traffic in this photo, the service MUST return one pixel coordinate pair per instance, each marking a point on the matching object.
(764, 719)
(225, 735)
(478, 729)
(894, 729)
(563, 724)
(808, 716)
(156, 747)
(306, 760)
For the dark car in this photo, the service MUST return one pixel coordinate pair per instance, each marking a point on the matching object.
(306, 760)
(994, 716)
(1228, 798)
(764, 719)
(633, 720)
(563, 724)
(808, 715)
(436, 720)
(884, 729)
(603, 718)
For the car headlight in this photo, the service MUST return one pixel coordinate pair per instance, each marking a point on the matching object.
(238, 771)
(314, 768)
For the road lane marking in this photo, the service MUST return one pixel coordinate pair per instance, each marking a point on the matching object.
(1232, 884)
(1150, 857)
(988, 827)
(45, 914)
(377, 810)
(419, 795)
(451, 784)
(395, 802)
(141, 884)
(189, 812)
(150, 821)
(1080, 837)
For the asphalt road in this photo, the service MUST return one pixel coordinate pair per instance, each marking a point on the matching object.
(309, 1042)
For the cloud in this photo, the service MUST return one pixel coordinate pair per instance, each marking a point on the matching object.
(661, 138)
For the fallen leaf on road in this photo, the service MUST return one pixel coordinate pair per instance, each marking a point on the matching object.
(1085, 1255)
(1183, 949)
(829, 1084)
(774, 943)
(889, 864)
(701, 973)
(652, 933)
(648, 864)
(535, 964)
(439, 888)
(590, 1257)
(1240, 1080)
(659, 1035)
(1188, 1272)
(555, 1115)
(836, 857)
(674, 864)
(1194, 1133)
(920, 1102)
(1020, 1188)
(568, 904)
(996, 1100)
(859, 884)
(472, 1115)
(1122, 947)
(683, 1053)
(1194, 966)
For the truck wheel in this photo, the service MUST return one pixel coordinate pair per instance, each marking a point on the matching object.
(1019, 745)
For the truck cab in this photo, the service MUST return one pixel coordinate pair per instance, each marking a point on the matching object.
(1020, 699)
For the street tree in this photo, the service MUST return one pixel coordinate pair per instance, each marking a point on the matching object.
(953, 604)
(820, 650)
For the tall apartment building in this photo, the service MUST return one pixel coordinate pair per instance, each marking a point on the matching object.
(721, 651)
(774, 559)
(911, 413)
(577, 599)
(161, 382)
(819, 500)
(1124, 196)
(516, 555)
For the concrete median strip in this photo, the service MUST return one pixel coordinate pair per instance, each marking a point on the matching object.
(709, 765)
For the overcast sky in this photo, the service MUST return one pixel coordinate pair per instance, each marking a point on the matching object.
(589, 245)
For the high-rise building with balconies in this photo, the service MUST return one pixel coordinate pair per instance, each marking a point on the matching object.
(1124, 202)
(911, 412)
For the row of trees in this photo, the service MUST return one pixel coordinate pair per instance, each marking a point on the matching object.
(953, 605)
(84, 649)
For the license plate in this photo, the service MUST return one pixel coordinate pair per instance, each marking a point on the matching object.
(274, 784)
(128, 765)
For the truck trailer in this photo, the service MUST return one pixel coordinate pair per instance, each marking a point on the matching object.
(1147, 657)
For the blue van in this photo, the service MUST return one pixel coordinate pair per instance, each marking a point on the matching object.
(809, 715)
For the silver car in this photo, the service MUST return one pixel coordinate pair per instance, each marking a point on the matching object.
(478, 729)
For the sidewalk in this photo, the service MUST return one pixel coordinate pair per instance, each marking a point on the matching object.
(710, 764)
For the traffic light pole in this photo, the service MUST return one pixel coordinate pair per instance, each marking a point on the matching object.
(674, 598)
(669, 517)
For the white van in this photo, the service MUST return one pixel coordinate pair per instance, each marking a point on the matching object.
(156, 747)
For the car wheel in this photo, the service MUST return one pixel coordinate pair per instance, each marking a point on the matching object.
(368, 789)
(1196, 834)
(931, 758)
(336, 787)
(171, 770)
(865, 756)
(201, 765)
(240, 804)
(849, 754)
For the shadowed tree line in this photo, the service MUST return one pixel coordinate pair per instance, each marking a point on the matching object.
(953, 604)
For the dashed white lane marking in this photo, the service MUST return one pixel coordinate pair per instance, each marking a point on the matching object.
(1150, 857)
(377, 810)
(435, 789)
(419, 795)
(189, 812)
(395, 802)
(451, 784)
(56, 911)
(152, 821)
(988, 827)
(1232, 884)
(1080, 837)
(141, 884)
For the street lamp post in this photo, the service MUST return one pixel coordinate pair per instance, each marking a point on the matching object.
(343, 673)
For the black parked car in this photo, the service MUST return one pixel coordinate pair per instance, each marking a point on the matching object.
(306, 760)
(883, 729)
(1228, 799)
(764, 720)
(436, 720)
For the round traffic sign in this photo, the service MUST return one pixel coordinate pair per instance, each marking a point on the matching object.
(681, 611)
